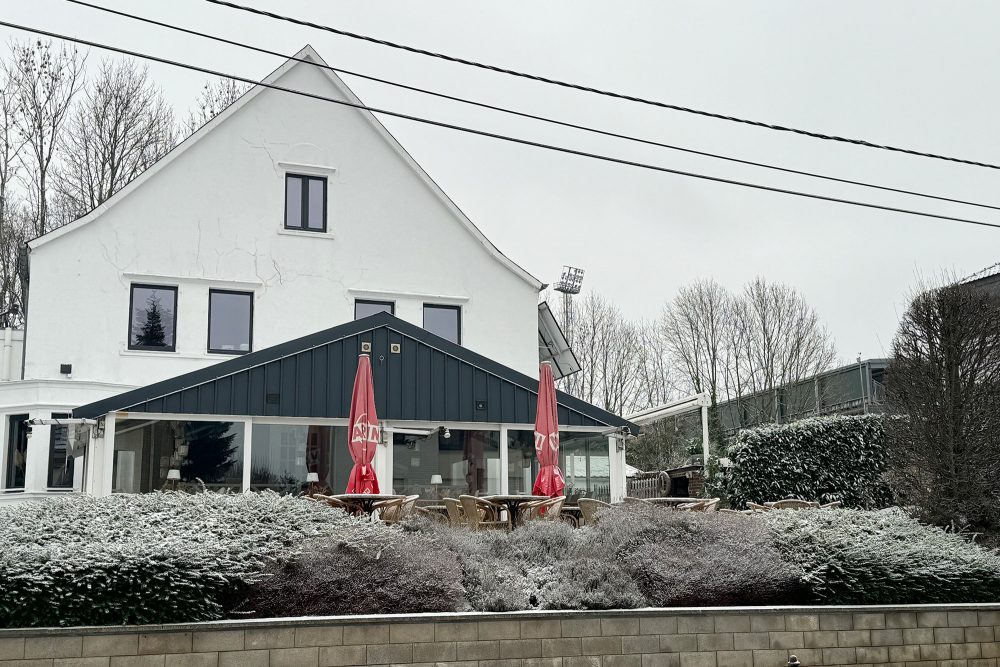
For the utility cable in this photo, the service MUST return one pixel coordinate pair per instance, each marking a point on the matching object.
(492, 135)
(598, 91)
(521, 114)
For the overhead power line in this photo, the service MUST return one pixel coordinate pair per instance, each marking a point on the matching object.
(492, 135)
(598, 91)
(522, 114)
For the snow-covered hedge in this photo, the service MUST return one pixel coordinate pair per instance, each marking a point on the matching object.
(156, 558)
(821, 458)
(884, 557)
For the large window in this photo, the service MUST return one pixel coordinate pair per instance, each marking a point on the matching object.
(444, 321)
(468, 462)
(583, 458)
(305, 203)
(230, 321)
(283, 454)
(17, 451)
(60, 460)
(364, 308)
(152, 323)
(203, 452)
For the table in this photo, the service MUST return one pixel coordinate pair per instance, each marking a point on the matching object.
(365, 501)
(513, 503)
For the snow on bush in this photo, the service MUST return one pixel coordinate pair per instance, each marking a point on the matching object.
(154, 558)
(884, 557)
(822, 458)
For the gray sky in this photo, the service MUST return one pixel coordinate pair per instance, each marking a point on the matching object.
(905, 73)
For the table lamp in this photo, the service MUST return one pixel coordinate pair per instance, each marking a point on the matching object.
(312, 479)
(436, 481)
(173, 477)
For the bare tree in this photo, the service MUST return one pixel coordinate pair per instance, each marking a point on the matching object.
(944, 379)
(44, 80)
(214, 98)
(121, 127)
(695, 325)
(776, 340)
(12, 231)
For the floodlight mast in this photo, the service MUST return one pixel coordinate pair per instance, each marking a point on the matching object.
(570, 283)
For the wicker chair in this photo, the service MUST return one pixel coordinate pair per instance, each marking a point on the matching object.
(480, 514)
(831, 506)
(394, 511)
(543, 510)
(710, 505)
(332, 502)
(758, 508)
(456, 517)
(589, 508)
(792, 504)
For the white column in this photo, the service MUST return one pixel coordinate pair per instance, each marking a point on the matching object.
(616, 468)
(4, 431)
(504, 463)
(105, 475)
(247, 453)
(79, 466)
(36, 468)
(704, 432)
(383, 461)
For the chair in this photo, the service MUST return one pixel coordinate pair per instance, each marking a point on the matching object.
(388, 510)
(729, 511)
(637, 501)
(792, 504)
(758, 508)
(332, 502)
(543, 510)
(481, 514)
(831, 506)
(589, 508)
(710, 505)
(456, 517)
(397, 510)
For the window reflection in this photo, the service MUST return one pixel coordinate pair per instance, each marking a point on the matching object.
(60, 461)
(583, 459)
(283, 454)
(468, 463)
(209, 453)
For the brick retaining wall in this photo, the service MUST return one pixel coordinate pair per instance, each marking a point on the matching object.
(915, 636)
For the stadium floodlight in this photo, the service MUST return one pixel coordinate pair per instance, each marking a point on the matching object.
(571, 280)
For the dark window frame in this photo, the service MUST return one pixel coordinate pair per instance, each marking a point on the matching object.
(208, 338)
(303, 225)
(374, 302)
(17, 427)
(131, 313)
(445, 306)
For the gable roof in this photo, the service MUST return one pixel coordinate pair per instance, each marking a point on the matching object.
(429, 379)
(306, 53)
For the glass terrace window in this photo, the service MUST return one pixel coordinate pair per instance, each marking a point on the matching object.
(230, 321)
(152, 318)
(305, 203)
(444, 321)
(17, 451)
(364, 308)
(60, 460)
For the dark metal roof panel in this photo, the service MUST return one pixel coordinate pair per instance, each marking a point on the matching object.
(430, 379)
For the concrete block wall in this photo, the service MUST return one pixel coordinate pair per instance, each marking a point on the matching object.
(916, 636)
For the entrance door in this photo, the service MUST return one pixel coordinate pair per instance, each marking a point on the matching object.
(17, 451)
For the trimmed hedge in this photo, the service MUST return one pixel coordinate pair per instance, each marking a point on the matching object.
(886, 557)
(154, 558)
(822, 458)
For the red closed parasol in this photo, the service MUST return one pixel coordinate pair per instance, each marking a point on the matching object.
(550, 480)
(364, 431)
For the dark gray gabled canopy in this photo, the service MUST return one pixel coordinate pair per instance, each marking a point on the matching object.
(428, 379)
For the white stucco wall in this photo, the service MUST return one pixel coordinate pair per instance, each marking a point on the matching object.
(213, 217)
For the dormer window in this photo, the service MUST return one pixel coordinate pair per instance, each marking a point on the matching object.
(305, 203)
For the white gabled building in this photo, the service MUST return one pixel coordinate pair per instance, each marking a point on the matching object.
(281, 217)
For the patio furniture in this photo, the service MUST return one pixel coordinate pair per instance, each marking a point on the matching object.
(690, 507)
(513, 504)
(364, 502)
(830, 506)
(436, 513)
(589, 508)
(710, 505)
(454, 508)
(331, 501)
(792, 504)
(754, 507)
(543, 510)
(636, 501)
(669, 500)
(395, 511)
(471, 506)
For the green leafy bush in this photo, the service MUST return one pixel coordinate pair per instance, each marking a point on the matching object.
(822, 458)
(885, 557)
(155, 558)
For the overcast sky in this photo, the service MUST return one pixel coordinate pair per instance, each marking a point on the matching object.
(905, 73)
